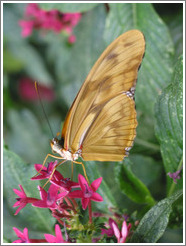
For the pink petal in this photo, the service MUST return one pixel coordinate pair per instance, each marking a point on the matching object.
(58, 233)
(16, 204)
(85, 202)
(76, 194)
(96, 183)
(53, 190)
(38, 167)
(18, 233)
(50, 238)
(25, 232)
(27, 27)
(19, 193)
(82, 182)
(19, 209)
(96, 197)
(124, 230)
(61, 195)
(17, 241)
(43, 193)
(116, 231)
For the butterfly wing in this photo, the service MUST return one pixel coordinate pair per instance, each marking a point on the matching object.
(107, 94)
(112, 132)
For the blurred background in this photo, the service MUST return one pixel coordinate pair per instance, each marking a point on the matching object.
(56, 45)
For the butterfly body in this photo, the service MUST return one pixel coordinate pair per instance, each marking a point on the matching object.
(65, 154)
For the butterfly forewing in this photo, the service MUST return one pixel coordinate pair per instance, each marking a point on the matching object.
(102, 119)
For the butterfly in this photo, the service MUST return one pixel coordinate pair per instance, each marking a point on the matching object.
(101, 123)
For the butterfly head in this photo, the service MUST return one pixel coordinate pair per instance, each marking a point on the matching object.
(55, 145)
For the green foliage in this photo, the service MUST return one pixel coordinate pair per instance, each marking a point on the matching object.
(37, 218)
(133, 186)
(154, 222)
(169, 125)
(68, 7)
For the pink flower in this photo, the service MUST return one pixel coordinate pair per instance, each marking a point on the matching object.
(175, 175)
(109, 232)
(36, 18)
(23, 200)
(55, 239)
(46, 172)
(121, 236)
(23, 236)
(33, 10)
(27, 91)
(49, 199)
(87, 193)
(27, 27)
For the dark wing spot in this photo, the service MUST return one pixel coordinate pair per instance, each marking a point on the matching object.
(128, 44)
(111, 56)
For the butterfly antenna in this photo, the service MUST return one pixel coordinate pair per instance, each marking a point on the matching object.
(38, 93)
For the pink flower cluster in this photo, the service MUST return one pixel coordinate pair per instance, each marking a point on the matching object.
(36, 18)
(60, 188)
(60, 199)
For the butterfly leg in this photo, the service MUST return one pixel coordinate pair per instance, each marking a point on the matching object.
(72, 170)
(57, 157)
(53, 172)
(83, 166)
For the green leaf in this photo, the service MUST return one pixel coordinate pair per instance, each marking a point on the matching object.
(17, 172)
(169, 125)
(25, 136)
(130, 185)
(146, 168)
(156, 69)
(154, 222)
(84, 53)
(175, 24)
(10, 64)
(145, 139)
(68, 7)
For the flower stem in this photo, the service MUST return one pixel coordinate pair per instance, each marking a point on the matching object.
(90, 212)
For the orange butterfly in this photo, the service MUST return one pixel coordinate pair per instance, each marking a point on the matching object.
(101, 123)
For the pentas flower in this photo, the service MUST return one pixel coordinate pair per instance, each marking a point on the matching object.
(87, 192)
(49, 199)
(55, 239)
(36, 18)
(46, 172)
(24, 238)
(121, 236)
(23, 200)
